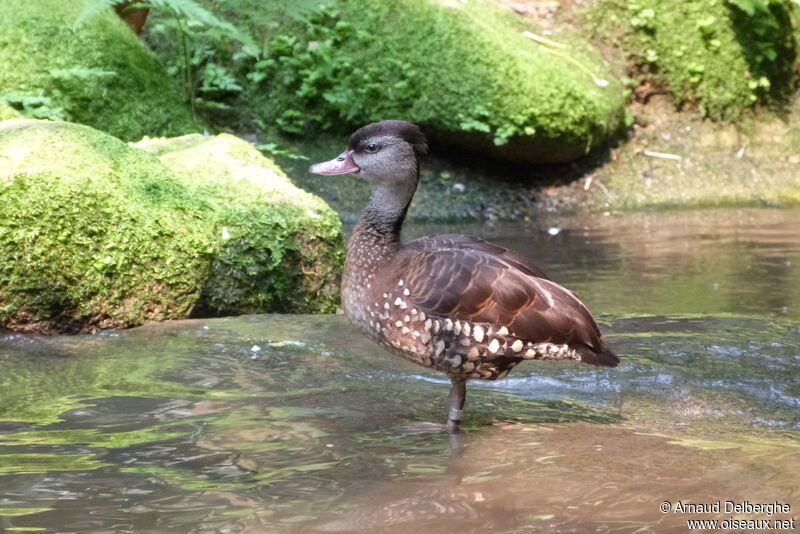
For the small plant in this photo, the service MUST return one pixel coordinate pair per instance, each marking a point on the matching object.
(191, 24)
(642, 17)
(36, 106)
(274, 150)
(41, 105)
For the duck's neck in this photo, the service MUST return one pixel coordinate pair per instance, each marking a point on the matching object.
(382, 220)
(374, 242)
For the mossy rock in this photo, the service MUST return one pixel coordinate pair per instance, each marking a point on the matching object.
(100, 74)
(281, 249)
(720, 56)
(464, 71)
(93, 233)
(7, 112)
(97, 234)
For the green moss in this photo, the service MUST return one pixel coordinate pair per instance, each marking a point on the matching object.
(12, 512)
(7, 112)
(100, 74)
(464, 71)
(94, 233)
(281, 247)
(46, 463)
(97, 234)
(708, 53)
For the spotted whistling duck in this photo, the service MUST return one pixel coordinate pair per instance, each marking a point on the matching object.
(457, 304)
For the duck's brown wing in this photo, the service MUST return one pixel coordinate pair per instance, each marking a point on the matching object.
(462, 242)
(475, 285)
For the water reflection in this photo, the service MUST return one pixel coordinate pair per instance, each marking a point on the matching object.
(288, 423)
(569, 478)
(715, 261)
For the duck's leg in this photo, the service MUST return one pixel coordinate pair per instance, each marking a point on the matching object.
(458, 394)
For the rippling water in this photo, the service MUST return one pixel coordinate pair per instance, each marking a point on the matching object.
(290, 423)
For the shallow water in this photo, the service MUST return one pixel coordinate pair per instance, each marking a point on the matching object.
(290, 423)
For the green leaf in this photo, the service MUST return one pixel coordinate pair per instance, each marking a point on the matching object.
(92, 9)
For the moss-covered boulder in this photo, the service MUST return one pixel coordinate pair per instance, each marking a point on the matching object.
(722, 56)
(95, 233)
(100, 74)
(465, 71)
(281, 248)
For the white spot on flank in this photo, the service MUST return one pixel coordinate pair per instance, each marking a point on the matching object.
(517, 346)
(494, 346)
(398, 324)
(398, 301)
(406, 292)
(477, 333)
(400, 283)
(385, 305)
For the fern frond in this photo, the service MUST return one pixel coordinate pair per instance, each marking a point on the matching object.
(193, 13)
(188, 10)
(92, 9)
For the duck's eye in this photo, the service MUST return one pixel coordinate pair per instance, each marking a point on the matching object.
(372, 148)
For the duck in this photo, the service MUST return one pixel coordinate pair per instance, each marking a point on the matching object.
(457, 304)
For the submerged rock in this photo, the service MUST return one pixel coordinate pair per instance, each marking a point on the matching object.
(98, 234)
(472, 75)
(100, 74)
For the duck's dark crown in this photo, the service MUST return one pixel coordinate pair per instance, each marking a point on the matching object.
(407, 131)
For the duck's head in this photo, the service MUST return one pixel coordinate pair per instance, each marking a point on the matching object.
(381, 153)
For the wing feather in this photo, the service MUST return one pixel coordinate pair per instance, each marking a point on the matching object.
(467, 279)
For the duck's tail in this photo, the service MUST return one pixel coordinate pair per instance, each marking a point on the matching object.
(603, 356)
